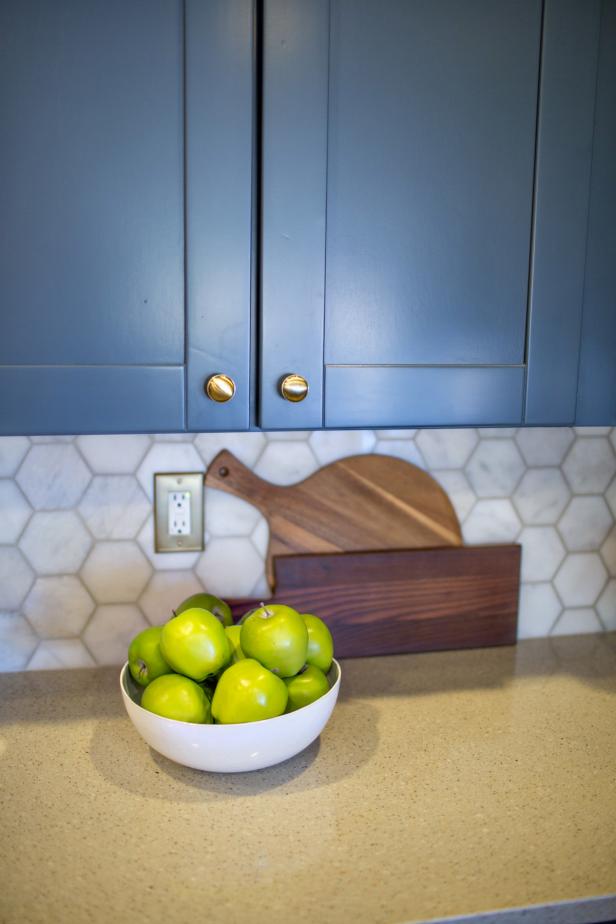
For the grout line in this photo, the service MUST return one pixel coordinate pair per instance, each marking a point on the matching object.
(554, 624)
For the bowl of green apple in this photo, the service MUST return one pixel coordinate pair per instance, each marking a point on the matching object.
(225, 697)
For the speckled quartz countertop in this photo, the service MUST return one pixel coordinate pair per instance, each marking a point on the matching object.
(445, 784)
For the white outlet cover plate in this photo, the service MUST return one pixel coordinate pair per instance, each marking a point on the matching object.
(169, 483)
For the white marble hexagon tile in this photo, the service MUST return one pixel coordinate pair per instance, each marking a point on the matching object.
(79, 576)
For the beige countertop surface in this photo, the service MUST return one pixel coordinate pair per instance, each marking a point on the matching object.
(445, 784)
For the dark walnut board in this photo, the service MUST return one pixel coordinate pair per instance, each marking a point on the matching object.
(372, 544)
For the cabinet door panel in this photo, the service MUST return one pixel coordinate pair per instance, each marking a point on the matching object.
(91, 185)
(393, 396)
(91, 399)
(432, 113)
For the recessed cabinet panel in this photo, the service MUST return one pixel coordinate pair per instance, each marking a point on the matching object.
(91, 399)
(428, 396)
(91, 182)
(432, 112)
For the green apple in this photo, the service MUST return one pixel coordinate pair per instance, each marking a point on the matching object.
(277, 637)
(208, 602)
(194, 643)
(233, 635)
(177, 697)
(145, 659)
(320, 643)
(248, 692)
(304, 688)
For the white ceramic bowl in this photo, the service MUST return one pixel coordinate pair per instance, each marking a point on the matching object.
(231, 748)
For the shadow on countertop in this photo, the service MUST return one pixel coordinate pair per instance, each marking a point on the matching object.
(123, 759)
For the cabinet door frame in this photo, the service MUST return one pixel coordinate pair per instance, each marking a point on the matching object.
(293, 203)
(564, 147)
(220, 133)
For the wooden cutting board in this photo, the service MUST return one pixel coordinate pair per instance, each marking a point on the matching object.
(357, 503)
(398, 601)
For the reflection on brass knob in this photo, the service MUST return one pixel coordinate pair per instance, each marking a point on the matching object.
(294, 387)
(220, 387)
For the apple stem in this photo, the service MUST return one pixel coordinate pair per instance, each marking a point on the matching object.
(266, 612)
(143, 668)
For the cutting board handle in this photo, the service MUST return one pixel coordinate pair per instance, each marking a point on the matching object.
(360, 502)
(226, 473)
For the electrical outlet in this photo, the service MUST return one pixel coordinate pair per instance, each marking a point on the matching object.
(178, 512)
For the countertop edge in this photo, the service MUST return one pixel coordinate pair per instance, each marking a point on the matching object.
(595, 910)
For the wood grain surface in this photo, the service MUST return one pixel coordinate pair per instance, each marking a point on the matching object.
(357, 503)
(391, 602)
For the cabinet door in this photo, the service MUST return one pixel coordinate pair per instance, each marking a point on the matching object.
(93, 332)
(399, 143)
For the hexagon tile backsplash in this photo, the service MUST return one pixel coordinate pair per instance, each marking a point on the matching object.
(79, 575)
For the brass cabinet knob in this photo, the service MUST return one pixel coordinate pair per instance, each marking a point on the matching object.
(220, 387)
(294, 387)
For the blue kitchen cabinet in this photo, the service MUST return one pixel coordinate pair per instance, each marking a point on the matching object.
(407, 202)
(425, 198)
(126, 195)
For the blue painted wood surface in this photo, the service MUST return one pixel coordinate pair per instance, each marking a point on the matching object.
(219, 201)
(91, 182)
(98, 98)
(564, 153)
(406, 396)
(426, 181)
(91, 185)
(597, 382)
(90, 399)
(295, 82)
(398, 143)
(430, 176)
